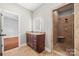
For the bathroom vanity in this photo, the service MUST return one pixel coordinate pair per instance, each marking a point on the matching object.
(36, 40)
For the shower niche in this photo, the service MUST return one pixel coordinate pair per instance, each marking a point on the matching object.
(63, 39)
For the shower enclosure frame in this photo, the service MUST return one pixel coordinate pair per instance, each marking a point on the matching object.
(54, 26)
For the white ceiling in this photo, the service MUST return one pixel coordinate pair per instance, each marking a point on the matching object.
(30, 6)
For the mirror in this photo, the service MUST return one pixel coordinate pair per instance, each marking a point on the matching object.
(37, 24)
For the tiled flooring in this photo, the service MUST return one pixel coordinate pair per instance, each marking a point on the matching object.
(27, 51)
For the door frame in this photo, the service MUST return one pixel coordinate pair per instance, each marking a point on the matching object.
(56, 8)
(3, 11)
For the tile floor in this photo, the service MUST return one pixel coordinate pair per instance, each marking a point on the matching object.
(27, 51)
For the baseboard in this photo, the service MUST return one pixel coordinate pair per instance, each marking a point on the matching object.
(22, 45)
(48, 50)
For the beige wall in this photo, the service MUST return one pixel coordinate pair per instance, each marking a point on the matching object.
(76, 28)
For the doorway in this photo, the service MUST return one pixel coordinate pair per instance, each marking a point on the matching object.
(10, 28)
(63, 29)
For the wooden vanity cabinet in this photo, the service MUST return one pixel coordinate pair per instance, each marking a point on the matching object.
(36, 41)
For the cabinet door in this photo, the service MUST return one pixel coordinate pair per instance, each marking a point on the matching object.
(34, 42)
(29, 39)
(40, 43)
